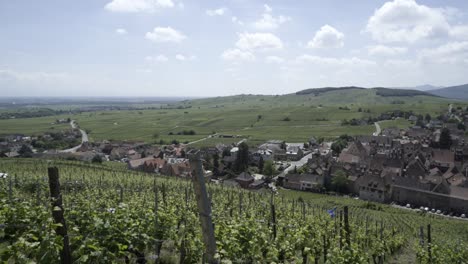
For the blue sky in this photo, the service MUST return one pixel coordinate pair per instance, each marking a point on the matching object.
(210, 48)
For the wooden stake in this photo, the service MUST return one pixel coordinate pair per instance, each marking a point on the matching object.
(204, 206)
(346, 226)
(57, 214)
(421, 236)
(429, 241)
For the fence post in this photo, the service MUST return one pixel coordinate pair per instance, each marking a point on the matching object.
(421, 236)
(57, 214)
(346, 226)
(10, 189)
(429, 241)
(273, 220)
(204, 205)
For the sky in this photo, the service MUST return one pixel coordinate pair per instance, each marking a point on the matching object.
(226, 47)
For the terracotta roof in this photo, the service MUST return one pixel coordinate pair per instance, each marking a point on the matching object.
(443, 156)
(158, 162)
(138, 162)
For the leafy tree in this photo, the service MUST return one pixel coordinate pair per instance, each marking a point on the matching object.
(225, 153)
(156, 135)
(215, 164)
(96, 159)
(261, 164)
(25, 151)
(161, 155)
(287, 119)
(445, 140)
(242, 161)
(340, 144)
(269, 169)
(461, 126)
(428, 118)
(283, 145)
(339, 181)
(302, 170)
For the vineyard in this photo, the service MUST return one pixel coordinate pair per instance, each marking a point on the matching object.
(118, 216)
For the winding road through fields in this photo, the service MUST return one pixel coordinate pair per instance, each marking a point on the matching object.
(84, 138)
(378, 130)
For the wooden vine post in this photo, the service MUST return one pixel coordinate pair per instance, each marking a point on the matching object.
(346, 227)
(204, 205)
(57, 214)
(429, 243)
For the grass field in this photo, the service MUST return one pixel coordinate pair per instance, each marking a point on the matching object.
(399, 123)
(255, 117)
(31, 126)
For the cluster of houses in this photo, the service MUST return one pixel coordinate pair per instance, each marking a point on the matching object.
(10, 145)
(400, 166)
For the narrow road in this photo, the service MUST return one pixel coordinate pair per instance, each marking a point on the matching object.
(377, 129)
(84, 138)
(297, 164)
(453, 115)
(202, 139)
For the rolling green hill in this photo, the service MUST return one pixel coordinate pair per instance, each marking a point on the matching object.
(292, 117)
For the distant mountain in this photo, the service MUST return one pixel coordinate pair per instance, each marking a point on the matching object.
(318, 91)
(424, 87)
(453, 92)
(378, 91)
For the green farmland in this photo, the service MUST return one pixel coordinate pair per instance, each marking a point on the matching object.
(294, 118)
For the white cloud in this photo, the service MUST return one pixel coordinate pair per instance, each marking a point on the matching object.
(133, 6)
(216, 12)
(159, 58)
(274, 59)
(121, 31)
(165, 34)
(327, 37)
(237, 21)
(381, 50)
(181, 57)
(407, 21)
(237, 55)
(259, 41)
(268, 21)
(452, 52)
(399, 64)
(328, 61)
(459, 32)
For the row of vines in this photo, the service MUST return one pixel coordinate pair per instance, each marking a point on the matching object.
(116, 216)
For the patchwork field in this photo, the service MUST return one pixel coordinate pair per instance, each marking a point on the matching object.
(294, 118)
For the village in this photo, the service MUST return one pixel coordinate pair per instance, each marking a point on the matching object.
(424, 166)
